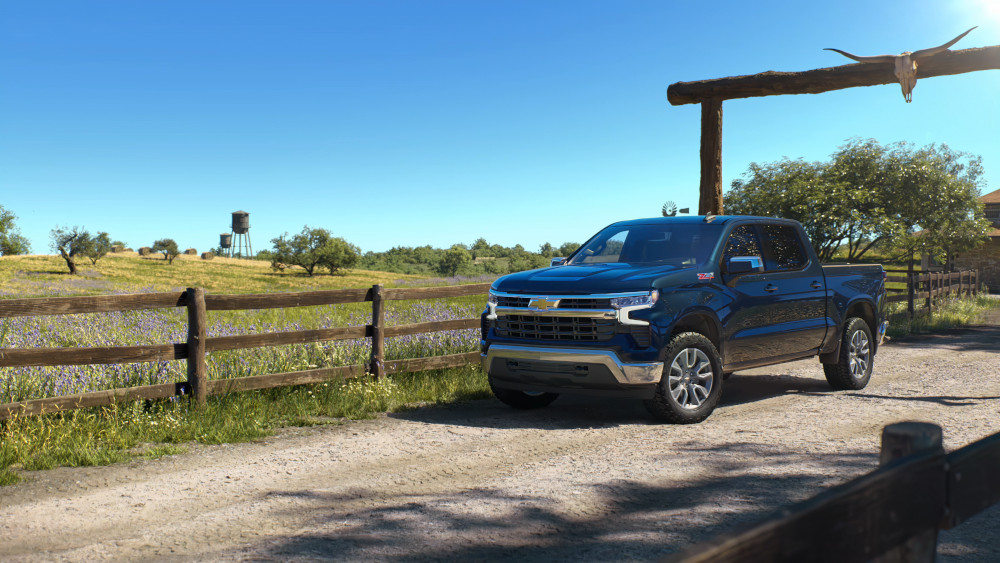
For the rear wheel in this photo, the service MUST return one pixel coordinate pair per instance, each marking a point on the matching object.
(691, 383)
(523, 399)
(853, 369)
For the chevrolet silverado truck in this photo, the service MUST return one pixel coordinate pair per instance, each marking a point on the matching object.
(665, 309)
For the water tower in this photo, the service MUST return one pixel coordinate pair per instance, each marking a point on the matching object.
(241, 228)
(225, 243)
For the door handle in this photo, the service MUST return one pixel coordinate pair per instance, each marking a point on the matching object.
(816, 285)
(771, 288)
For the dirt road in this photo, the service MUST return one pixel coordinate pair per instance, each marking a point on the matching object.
(585, 479)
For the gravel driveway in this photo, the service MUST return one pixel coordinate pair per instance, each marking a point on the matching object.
(585, 479)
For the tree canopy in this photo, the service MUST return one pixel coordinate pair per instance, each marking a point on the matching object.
(168, 247)
(895, 196)
(313, 248)
(11, 241)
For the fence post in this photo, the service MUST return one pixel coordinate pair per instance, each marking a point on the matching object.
(197, 372)
(376, 367)
(930, 293)
(975, 285)
(911, 292)
(900, 440)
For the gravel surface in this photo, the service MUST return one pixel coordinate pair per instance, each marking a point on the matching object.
(585, 479)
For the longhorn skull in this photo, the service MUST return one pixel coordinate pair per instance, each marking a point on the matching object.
(906, 63)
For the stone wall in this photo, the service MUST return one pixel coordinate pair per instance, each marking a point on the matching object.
(987, 260)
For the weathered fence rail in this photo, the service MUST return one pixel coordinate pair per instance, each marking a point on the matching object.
(198, 344)
(925, 287)
(891, 514)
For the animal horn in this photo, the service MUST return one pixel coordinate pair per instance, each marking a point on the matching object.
(935, 50)
(874, 59)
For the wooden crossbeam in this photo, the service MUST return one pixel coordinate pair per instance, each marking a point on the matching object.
(711, 93)
(820, 80)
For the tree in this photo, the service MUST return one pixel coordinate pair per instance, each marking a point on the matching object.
(454, 260)
(867, 195)
(168, 247)
(11, 241)
(97, 247)
(70, 243)
(313, 248)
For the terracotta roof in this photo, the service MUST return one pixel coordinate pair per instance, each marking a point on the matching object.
(992, 197)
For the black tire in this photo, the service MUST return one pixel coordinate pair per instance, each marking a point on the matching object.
(853, 369)
(691, 383)
(521, 399)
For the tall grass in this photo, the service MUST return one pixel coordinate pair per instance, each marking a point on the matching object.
(948, 313)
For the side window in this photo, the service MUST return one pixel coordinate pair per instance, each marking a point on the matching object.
(742, 242)
(785, 248)
(610, 251)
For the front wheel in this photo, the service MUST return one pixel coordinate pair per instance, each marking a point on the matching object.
(853, 369)
(691, 383)
(523, 399)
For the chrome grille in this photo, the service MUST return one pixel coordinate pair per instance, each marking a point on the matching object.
(537, 327)
(564, 303)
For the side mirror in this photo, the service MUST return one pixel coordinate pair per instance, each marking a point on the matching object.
(744, 265)
(558, 261)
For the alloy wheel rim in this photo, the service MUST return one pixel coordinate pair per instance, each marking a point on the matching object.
(859, 354)
(691, 378)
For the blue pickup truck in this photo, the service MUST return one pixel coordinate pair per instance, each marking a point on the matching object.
(665, 309)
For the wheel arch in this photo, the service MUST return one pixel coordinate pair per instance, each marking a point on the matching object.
(703, 323)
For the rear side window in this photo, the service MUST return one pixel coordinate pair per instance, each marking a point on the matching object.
(784, 246)
(742, 242)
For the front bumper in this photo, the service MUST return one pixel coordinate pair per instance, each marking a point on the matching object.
(570, 364)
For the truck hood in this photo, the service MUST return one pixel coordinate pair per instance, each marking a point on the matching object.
(582, 279)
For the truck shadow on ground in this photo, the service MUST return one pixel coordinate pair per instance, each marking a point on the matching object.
(616, 521)
(584, 411)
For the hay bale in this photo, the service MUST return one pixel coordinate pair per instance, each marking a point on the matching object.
(207, 255)
(191, 252)
(145, 251)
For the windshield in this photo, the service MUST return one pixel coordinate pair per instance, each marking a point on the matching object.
(678, 244)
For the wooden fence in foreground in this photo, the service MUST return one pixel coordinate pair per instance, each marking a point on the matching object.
(891, 514)
(198, 344)
(925, 287)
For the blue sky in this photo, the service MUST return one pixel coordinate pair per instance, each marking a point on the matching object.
(404, 123)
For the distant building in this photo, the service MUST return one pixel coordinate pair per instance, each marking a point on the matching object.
(986, 258)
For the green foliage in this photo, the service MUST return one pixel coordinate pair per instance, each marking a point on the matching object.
(11, 241)
(168, 247)
(870, 195)
(486, 259)
(454, 259)
(313, 248)
(97, 247)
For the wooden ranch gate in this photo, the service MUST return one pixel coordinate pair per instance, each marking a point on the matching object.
(925, 287)
(198, 344)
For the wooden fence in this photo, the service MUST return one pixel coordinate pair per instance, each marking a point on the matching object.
(925, 287)
(891, 514)
(198, 344)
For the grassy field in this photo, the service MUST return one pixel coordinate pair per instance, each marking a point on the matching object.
(111, 434)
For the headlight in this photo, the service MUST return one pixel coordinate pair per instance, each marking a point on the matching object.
(635, 300)
(493, 298)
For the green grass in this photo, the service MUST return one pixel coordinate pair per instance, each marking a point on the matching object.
(948, 313)
(105, 435)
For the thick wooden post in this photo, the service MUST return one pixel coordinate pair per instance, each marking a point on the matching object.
(377, 366)
(711, 157)
(900, 440)
(197, 371)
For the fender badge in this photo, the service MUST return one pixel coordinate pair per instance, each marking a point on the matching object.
(708, 276)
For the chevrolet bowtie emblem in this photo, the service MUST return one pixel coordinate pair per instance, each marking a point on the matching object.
(543, 304)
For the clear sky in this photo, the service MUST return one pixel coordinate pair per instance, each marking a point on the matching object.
(404, 123)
